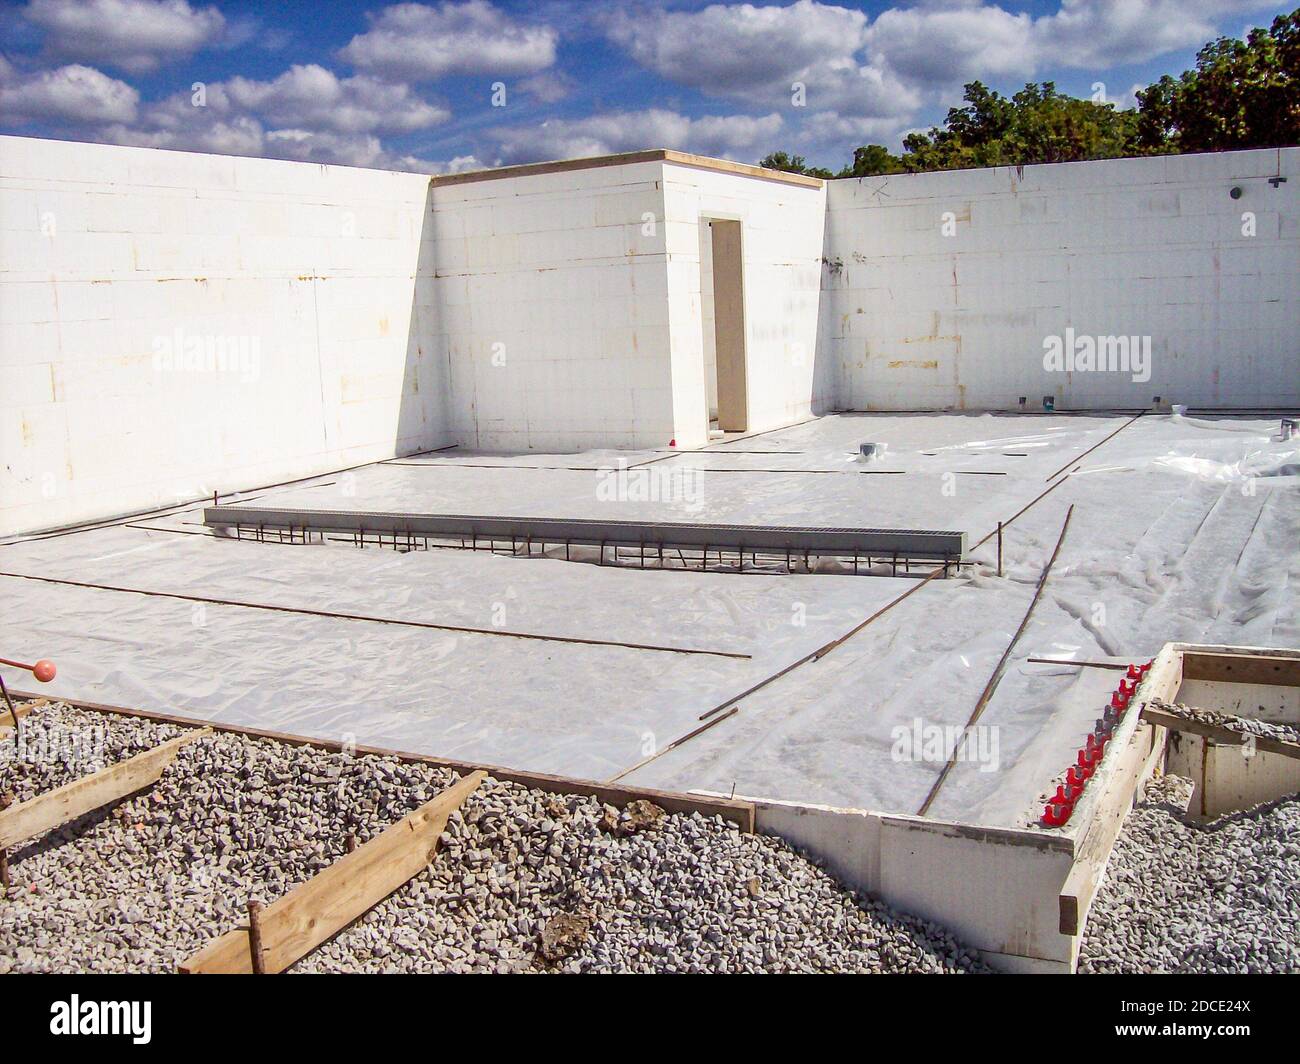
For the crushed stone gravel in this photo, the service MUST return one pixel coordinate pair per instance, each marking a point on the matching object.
(523, 880)
(1185, 897)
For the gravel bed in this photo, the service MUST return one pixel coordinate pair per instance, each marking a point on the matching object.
(1186, 897)
(1245, 725)
(523, 880)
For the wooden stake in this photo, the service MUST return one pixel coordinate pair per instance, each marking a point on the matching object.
(75, 799)
(315, 911)
(999, 548)
(256, 957)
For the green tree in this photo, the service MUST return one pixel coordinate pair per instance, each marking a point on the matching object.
(870, 160)
(1036, 125)
(792, 164)
(1242, 94)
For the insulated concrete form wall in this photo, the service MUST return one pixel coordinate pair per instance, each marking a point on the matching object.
(552, 296)
(781, 234)
(174, 323)
(941, 289)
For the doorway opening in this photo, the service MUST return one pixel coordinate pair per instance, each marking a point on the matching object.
(723, 314)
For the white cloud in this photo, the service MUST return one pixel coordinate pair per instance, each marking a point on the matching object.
(830, 127)
(315, 146)
(419, 42)
(606, 134)
(239, 136)
(737, 49)
(458, 165)
(306, 113)
(1127, 101)
(133, 35)
(1110, 33)
(72, 94)
(315, 98)
(949, 46)
(758, 54)
(247, 136)
(857, 71)
(547, 87)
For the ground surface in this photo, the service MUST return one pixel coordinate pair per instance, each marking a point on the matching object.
(1183, 529)
(1185, 897)
(145, 885)
(525, 881)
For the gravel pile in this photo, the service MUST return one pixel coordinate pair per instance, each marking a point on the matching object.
(1245, 725)
(523, 880)
(1184, 897)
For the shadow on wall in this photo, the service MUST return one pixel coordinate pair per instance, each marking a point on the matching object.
(826, 373)
(424, 412)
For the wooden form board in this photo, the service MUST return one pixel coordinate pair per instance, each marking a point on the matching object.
(21, 708)
(1276, 668)
(1270, 703)
(1229, 777)
(735, 811)
(1146, 743)
(1130, 757)
(994, 888)
(1218, 733)
(319, 909)
(1134, 763)
(63, 804)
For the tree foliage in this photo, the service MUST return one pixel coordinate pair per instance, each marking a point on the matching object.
(1242, 94)
(792, 164)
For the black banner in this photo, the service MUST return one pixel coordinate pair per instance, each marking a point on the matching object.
(383, 1013)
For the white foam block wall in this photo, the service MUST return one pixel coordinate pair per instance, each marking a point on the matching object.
(916, 319)
(553, 310)
(782, 227)
(173, 323)
(115, 260)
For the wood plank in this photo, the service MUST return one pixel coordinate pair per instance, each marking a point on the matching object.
(733, 810)
(1220, 734)
(23, 709)
(317, 910)
(75, 799)
(1279, 671)
(1145, 746)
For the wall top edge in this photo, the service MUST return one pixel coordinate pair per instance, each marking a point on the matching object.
(653, 155)
(1286, 151)
(1035, 838)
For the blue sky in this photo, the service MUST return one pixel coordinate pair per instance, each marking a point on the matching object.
(411, 86)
